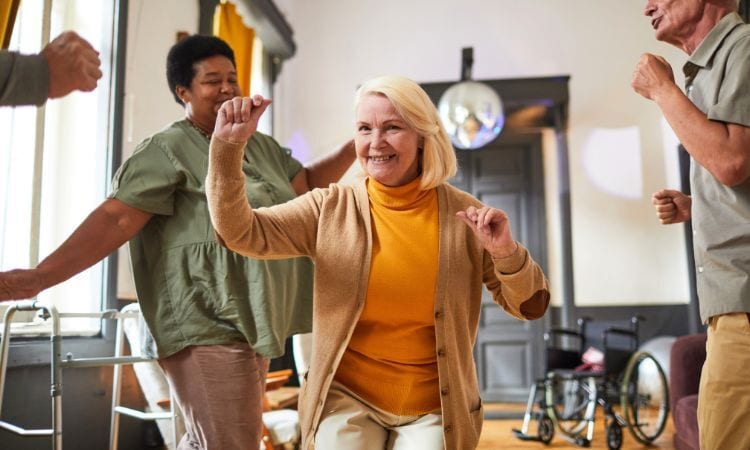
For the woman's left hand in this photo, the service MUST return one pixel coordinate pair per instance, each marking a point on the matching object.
(238, 118)
(492, 228)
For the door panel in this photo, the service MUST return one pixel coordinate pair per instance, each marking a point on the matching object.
(496, 381)
(512, 204)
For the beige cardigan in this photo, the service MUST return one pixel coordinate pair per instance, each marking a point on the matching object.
(333, 227)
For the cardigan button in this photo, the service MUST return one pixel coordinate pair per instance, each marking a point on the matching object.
(441, 352)
(448, 428)
(438, 314)
(444, 391)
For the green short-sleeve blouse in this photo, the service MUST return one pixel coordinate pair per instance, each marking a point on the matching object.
(192, 290)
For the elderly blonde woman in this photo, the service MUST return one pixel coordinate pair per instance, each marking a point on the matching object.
(400, 260)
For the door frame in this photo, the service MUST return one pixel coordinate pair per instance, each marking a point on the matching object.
(533, 104)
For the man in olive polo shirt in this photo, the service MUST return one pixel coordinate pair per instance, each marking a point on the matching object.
(713, 123)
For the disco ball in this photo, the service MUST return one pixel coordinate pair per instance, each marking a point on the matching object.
(472, 114)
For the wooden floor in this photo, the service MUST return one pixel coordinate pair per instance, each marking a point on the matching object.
(497, 434)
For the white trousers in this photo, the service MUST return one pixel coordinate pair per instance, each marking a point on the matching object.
(349, 422)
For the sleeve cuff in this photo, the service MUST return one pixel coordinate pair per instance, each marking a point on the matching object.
(225, 156)
(28, 82)
(512, 263)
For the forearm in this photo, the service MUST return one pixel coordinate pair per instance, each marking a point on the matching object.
(103, 232)
(280, 231)
(231, 213)
(331, 167)
(723, 149)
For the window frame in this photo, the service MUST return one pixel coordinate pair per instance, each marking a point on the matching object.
(28, 351)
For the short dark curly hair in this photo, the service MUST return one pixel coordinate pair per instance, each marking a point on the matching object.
(183, 56)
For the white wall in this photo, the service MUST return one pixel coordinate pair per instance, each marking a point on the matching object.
(617, 152)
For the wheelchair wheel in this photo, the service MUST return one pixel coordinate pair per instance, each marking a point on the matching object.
(644, 397)
(545, 429)
(614, 435)
(571, 402)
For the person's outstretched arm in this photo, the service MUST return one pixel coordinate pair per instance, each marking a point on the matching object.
(108, 227)
(66, 64)
(280, 231)
(326, 170)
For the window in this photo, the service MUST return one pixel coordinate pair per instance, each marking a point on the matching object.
(259, 83)
(55, 161)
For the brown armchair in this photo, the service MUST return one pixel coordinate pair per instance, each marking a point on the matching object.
(685, 364)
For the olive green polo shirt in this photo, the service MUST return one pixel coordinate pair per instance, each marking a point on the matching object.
(192, 290)
(718, 83)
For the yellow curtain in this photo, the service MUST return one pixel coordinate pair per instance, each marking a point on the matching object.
(228, 26)
(8, 10)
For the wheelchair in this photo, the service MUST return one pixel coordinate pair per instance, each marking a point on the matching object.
(630, 387)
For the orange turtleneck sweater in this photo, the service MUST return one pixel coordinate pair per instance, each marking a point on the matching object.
(391, 360)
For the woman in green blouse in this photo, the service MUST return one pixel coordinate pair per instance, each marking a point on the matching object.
(215, 316)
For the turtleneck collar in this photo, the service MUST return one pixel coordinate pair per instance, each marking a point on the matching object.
(407, 196)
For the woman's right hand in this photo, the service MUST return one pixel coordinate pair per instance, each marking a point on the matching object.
(238, 118)
(19, 284)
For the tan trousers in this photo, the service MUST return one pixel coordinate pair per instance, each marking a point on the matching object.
(349, 422)
(724, 393)
(219, 389)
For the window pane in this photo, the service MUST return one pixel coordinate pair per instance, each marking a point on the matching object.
(75, 172)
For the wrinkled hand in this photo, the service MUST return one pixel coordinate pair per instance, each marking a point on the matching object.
(492, 228)
(73, 65)
(238, 118)
(19, 284)
(671, 206)
(652, 76)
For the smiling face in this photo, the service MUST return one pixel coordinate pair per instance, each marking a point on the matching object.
(387, 148)
(215, 82)
(675, 21)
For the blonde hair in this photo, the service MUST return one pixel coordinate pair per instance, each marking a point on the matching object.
(418, 111)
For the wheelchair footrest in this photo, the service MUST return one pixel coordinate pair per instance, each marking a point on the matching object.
(525, 437)
(580, 441)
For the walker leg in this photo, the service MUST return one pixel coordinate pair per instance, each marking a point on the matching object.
(114, 426)
(173, 411)
(56, 392)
